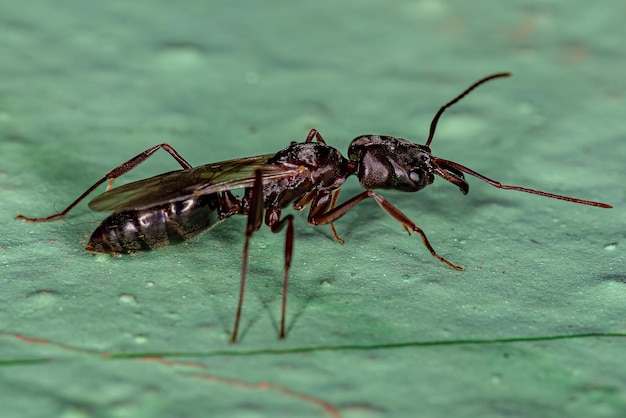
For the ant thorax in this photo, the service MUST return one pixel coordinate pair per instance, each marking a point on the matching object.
(327, 168)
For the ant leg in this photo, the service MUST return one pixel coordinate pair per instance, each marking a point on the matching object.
(313, 133)
(112, 175)
(255, 219)
(321, 203)
(336, 213)
(333, 203)
(322, 217)
(409, 225)
(277, 227)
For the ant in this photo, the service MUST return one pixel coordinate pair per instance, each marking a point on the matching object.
(178, 205)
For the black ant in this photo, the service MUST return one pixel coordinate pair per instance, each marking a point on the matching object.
(178, 205)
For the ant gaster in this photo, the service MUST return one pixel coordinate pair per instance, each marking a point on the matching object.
(178, 205)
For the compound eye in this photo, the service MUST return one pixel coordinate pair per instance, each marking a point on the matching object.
(415, 176)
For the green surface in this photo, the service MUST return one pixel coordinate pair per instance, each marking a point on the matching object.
(377, 327)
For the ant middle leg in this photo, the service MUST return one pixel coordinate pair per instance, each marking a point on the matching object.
(255, 220)
(112, 175)
(272, 219)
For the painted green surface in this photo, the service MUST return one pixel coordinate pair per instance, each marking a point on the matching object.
(85, 86)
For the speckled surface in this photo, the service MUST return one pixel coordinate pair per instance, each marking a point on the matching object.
(85, 86)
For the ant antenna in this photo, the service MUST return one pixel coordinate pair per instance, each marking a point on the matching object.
(433, 124)
(446, 168)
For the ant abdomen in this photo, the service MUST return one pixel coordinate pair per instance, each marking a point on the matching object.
(131, 231)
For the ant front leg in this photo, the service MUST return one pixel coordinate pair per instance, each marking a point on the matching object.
(112, 175)
(321, 203)
(333, 214)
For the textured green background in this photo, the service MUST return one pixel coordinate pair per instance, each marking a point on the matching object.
(84, 86)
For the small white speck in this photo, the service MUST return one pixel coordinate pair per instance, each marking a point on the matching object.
(127, 298)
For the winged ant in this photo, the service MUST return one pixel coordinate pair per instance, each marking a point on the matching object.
(178, 205)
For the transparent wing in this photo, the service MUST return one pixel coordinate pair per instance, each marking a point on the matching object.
(184, 184)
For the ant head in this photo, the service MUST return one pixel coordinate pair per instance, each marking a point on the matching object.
(385, 162)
